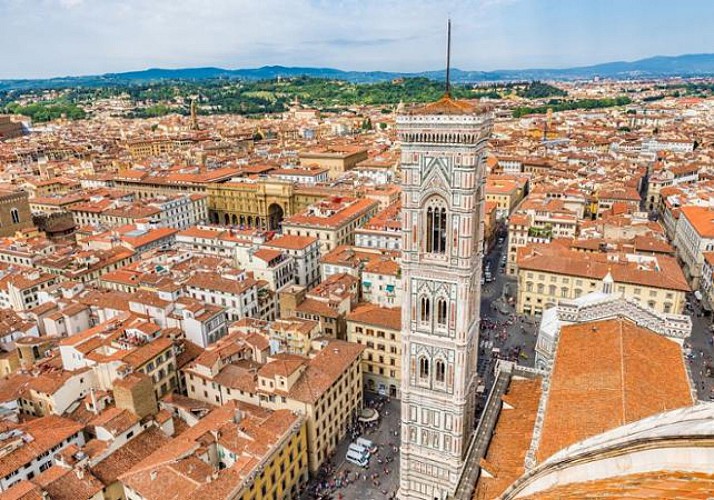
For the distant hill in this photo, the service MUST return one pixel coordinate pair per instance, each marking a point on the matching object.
(653, 67)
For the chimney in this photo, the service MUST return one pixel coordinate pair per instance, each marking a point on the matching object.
(153, 475)
(95, 410)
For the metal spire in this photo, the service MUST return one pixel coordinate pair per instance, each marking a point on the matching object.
(448, 57)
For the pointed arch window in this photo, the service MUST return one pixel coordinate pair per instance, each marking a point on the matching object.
(441, 312)
(423, 368)
(436, 226)
(424, 309)
(440, 371)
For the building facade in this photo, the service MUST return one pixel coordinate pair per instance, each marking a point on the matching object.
(547, 276)
(693, 237)
(14, 212)
(379, 330)
(443, 165)
(333, 222)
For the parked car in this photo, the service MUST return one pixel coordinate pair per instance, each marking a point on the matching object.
(357, 448)
(356, 458)
(366, 443)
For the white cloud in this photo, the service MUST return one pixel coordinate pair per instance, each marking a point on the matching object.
(56, 37)
(59, 37)
(70, 3)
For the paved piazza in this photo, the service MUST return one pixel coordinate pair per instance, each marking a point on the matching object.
(373, 482)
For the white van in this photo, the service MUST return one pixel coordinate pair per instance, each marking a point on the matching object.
(356, 458)
(357, 448)
(366, 443)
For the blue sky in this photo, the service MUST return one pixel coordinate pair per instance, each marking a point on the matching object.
(44, 38)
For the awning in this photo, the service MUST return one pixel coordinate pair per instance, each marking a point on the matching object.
(390, 288)
(698, 295)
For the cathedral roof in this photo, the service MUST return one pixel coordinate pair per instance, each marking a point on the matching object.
(607, 374)
(447, 105)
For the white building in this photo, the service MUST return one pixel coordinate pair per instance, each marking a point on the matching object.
(177, 212)
(443, 167)
(305, 251)
(29, 449)
(675, 145)
(219, 241)
(382, 283)
(20, 287)
(201, 323)
(236, 292)
(694, 235)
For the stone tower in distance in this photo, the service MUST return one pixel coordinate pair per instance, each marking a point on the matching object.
(443, 147)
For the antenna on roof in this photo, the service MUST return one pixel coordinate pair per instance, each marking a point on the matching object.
(448, 56)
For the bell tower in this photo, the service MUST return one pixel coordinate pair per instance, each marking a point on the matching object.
(443, 147)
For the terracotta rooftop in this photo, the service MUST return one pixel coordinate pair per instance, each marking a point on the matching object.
(372, 314)
(701, 219)
(47, 432)
(324, 369)
(331, 213)
(653, 485)
(292, 242)
(511, 438)
(65, 484)
(662, 272)
(447, 105)
(606, 374)
(137, 449)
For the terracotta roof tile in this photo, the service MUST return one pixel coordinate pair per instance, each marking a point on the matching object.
(372, 314)
(606, 374)
(651, 485)
(511, 438)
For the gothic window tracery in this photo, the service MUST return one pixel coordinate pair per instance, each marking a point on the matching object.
(423, 367)
(424, 309)
(441, 312)
(436, 225)
(440, 371)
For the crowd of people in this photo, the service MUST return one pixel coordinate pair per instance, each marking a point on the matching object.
(495, 336)
(331, 480)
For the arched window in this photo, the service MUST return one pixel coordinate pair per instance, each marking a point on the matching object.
(15, 214)
(424, 309)
(436, 226)
(440, 371)
(441, 312)
(423, 367)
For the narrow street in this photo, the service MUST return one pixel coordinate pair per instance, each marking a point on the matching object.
(503, 334)
(698, 351)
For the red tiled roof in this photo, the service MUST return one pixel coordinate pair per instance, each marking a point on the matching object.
(607, 374)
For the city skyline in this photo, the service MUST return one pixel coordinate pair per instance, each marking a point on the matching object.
(76, 37)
